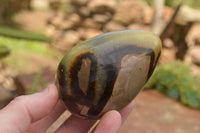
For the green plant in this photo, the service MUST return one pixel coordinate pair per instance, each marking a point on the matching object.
(21, 45)
(174, 3)
(26, 52)
(2, 0)
(16, 33)
(4, 51)
(37, 83)
(176, 81)
(65, 6)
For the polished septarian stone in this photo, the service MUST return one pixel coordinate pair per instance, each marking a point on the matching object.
(107, 72)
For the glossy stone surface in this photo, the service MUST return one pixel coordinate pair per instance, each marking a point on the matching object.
(107, 72)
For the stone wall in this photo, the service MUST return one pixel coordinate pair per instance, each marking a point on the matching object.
(87, 18)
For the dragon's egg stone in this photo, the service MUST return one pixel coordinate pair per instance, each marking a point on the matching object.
(107, 72)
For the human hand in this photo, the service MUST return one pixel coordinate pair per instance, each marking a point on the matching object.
(35, 114)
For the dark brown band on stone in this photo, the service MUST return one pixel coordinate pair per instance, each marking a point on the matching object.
(111, 64)
(74, 79)
(151, 65)
(63, 87)
(77, 96)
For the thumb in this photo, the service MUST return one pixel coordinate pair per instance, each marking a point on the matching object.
(22, 111)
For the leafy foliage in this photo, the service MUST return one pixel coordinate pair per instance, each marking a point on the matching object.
(4, 51)
(37, 82)
(20, 45)
(176, 81)
(6, 31)
(24, 51)
(174, 3)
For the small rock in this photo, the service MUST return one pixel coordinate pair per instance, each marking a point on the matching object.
(5, 97)
(100, 6)
(53, 32)
(82, 30)
(66, 25)
(90, 23)
(113, 26)
(197, 41)
(148, 14)
(138, 27)
(134, 27)
(72, 9)
(55, 4)
(193, 37)
(75, 18)
(71, 37)
(168, 11)
(29, 22)
(168, 43)
(149, 11)
(35, 81)
(195, 54)
(40, 4)
(89, 33)
(195, 69)
(84, 11)
(101, 18)
(167, 55)
(71, 21)
(58, 19)
(6, 77)
(50, 30)
(126, 14)
(79, 2)
(188, 14)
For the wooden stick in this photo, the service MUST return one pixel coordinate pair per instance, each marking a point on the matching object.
(63, 117)
(164, 34)
(93, 127)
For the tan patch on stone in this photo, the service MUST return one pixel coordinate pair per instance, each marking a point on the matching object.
(84, 74)
(131, 78)
(83, 109)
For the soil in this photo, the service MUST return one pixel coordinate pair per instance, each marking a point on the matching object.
(156, 113)
(34, 21)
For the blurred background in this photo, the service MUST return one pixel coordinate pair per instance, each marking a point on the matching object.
(35, 34)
